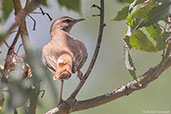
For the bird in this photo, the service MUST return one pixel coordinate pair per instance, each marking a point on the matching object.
(64, 55)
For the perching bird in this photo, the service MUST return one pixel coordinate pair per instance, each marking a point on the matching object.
(64, 54)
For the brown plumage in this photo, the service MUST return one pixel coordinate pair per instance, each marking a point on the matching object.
(64, 54)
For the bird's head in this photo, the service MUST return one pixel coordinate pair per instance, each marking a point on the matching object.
(64, 23)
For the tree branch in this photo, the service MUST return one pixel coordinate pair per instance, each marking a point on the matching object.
(96, 52)
(145, 79)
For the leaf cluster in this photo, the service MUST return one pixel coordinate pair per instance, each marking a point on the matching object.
(144, 29)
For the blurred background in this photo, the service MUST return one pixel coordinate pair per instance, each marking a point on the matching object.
(109, 71)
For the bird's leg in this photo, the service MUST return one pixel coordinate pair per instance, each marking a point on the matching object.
(61, 91)
(80, 75)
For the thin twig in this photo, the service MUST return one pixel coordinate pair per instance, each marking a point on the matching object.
(96, 52)
(95, 6)
(34, 22)
(6, 44)
(44, 13)
(9, 47)
(19, 48)
(43, 93)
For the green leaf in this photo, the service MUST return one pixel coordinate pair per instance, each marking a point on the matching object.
(122, 14)
(155, 14)
(140, 12)
(74, 5)
(7, 6)
(139, 40)
(128, 58)
(155, 33)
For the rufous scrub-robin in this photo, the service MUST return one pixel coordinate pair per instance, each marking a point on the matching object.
(64, 54)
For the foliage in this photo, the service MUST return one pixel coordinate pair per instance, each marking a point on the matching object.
(140, 15)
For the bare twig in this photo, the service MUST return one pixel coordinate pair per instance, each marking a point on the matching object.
(95, 6)
(43, 93)
(34, 22)
(9, 47)
(19, 48)
(96, 52)
(6, 44)
(43, 13)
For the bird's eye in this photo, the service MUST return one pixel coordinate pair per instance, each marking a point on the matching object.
(67, 21)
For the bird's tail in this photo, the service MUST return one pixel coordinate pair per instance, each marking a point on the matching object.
(63, 73)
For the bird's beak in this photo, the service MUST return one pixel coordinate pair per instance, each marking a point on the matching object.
(78, 20)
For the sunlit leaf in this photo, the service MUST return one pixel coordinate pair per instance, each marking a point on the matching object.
(140, 12)
(122, 14)
(74, 5)
(155, 33)
(139, 40)
(155, 14)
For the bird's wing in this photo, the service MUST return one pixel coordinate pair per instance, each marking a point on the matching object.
(50, 62)
(80, 56)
